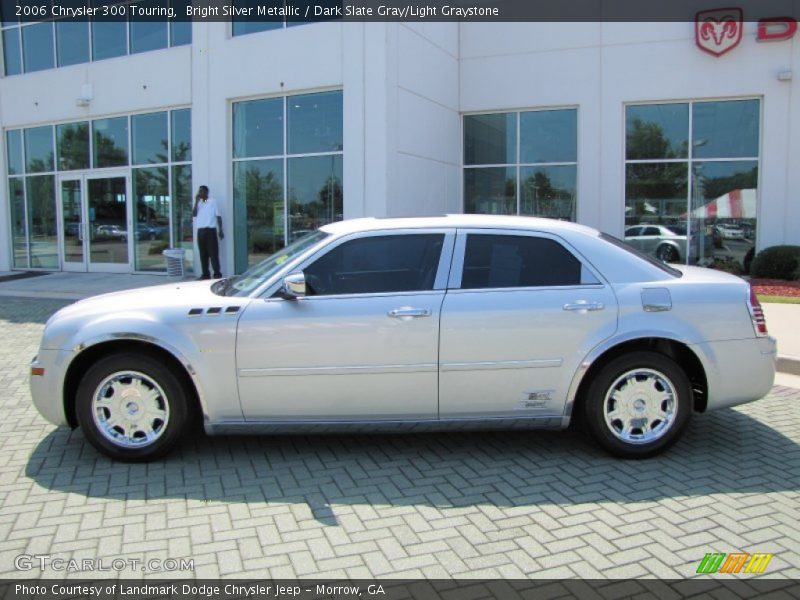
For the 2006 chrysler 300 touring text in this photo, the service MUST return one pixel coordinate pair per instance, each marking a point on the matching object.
(462, 321)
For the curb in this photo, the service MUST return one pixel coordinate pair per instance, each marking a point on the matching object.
(788, 365)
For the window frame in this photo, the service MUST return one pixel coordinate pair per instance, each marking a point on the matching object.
(272, 286)
(518, 165)
(457, 268)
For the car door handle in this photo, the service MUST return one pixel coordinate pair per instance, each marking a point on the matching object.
(399, 313)
(584, 306)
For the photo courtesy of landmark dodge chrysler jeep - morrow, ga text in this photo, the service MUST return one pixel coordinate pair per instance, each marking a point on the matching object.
(377, 325)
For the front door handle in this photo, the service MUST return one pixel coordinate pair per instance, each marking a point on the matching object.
(412, 313)
(584, 306)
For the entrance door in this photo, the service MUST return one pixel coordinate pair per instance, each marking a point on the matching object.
(95, 217)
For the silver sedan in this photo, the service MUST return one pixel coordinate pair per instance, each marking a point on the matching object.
(378, 325)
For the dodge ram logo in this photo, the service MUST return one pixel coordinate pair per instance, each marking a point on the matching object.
(718, 31)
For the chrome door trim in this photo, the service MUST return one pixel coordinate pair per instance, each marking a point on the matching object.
(492, 365)
(358, 370)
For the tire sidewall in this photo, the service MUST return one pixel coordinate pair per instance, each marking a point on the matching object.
(594, 401)
(173, 390)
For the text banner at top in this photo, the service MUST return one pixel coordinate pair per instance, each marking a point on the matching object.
(310, 11)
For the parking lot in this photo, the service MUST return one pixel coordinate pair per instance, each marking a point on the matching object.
(540, 504)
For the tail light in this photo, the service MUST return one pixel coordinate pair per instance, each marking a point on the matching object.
(757, 314)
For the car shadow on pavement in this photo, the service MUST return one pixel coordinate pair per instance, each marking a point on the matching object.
(14, 309)
(721, 452)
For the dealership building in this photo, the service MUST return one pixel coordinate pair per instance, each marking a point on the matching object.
(656, 132)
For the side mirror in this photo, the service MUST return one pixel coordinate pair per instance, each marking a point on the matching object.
(294, 286)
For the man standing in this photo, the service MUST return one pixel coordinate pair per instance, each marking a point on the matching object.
(209, 225)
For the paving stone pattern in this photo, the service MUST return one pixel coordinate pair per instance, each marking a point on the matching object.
(508, 505)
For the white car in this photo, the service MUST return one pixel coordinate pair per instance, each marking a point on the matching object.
(730, 232)
(377, 325)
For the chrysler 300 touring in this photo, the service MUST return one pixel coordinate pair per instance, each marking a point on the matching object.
(377, 325)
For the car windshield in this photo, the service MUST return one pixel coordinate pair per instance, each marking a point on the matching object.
(244, 284)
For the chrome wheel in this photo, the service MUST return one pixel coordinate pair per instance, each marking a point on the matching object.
(130, 409)
(640, 406)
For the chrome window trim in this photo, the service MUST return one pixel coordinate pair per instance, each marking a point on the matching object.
(456, 272)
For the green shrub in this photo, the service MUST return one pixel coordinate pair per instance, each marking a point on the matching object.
(777, 262)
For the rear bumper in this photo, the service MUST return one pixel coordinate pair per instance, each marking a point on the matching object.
(738, 371)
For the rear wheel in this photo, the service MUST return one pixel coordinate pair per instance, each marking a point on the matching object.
(667, 254)
(131, 407)
(638, 404)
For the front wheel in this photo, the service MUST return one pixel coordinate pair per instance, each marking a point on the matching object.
(667, 254)
(638, 404)
(131, 407)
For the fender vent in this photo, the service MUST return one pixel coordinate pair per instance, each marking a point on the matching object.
(194, 312)
(231, 310)
(214, 310)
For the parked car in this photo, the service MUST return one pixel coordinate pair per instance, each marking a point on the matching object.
(150, 231)
(374, 325)
(730, 232)
(111, 231)
(668, 244)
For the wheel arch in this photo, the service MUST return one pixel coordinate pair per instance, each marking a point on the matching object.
(90, 353)
(678, 351)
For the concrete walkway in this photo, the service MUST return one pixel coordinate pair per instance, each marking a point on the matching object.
(783, 320)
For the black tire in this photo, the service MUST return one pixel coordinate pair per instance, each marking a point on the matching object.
(662, 398)
(667, 253)
(164, 412)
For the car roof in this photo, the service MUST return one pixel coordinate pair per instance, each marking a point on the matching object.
(457, 220)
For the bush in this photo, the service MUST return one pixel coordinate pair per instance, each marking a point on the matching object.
(778, 262)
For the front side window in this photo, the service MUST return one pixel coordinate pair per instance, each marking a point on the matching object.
(522, 163)
(511, 261)
(692, 169)
(379, 264)
(287, 171)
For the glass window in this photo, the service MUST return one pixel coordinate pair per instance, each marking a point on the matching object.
(491, 191)
(258, 210)
(315, 193)
(490, 139)
(37, 46)
(14, 150)
(8, 12)
(657, 131)
(153, 207)
(149, 33)
(549, 191)
(696, 211)
(109, 39)
(182, 204)
(181, 134)
(548, 136)
(39, 149)
(110, 142)
(73, 146)
(377, 264)
(72, 42)
(725, 129)
(40, 192)
(180, 28)
(501, 261)
(149, 138)
(258, 128)
(16, 195)
(12, 56)
(315, 123)
(243, 25)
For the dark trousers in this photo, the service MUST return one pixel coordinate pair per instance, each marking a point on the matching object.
(209, 249)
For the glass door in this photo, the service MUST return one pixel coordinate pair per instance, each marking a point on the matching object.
(108, 219)
(73, 225)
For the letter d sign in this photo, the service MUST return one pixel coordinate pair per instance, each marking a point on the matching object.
(776, 29)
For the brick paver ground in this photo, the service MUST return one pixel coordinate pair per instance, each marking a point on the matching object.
(541, 504)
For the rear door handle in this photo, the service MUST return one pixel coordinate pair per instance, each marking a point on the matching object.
(587, 306)
(412, 313)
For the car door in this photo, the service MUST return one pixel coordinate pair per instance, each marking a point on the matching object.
(521, 312)
(362, 345)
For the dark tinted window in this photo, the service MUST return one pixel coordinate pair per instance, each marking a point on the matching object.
(392, 263)
(497, 261)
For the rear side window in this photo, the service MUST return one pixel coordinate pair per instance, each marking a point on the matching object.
(378, 264)
(498, 261)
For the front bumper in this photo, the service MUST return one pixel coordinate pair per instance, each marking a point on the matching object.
(47, 389)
